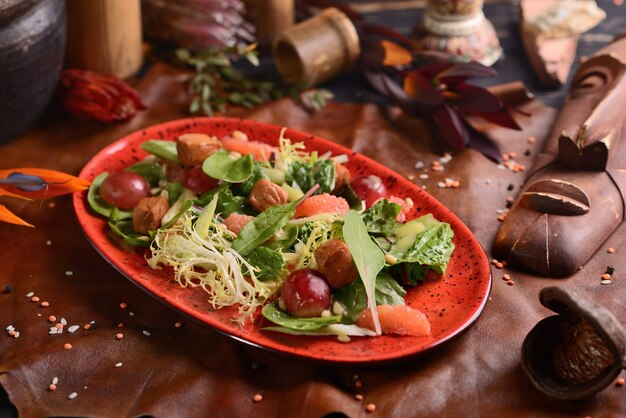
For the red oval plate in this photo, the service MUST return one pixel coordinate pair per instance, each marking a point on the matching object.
(452, 304)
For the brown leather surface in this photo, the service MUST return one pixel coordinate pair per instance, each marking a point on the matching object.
(194, 372)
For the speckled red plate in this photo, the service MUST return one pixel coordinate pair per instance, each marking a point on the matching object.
(452, 304)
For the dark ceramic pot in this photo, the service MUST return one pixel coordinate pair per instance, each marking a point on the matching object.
(32, 44)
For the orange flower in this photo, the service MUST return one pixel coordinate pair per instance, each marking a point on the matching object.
(34, 184)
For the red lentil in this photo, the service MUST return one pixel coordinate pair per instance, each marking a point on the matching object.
(499, 265)
(52, 318)
(494, 261)
(87, 326)
(44, 304)
(605, 276)
(358, 397)
(370, 407)
(532, 139)
(610, 250)
(67, 346)
(58, 325)
(123, 305)
(119, 335)
(506, 277)
(358, 384)
(505, 263)
(178, 324)
(257, 398)
(52, 387)
(34, 299)
(120, 325)
(619, 382)
(510, 283)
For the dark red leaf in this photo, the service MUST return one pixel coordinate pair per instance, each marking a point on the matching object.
(458, 73)
(482, 144)
(372, 53)
(450, 126)
(386, 85)
(431, 69)
(420, 89)
(501, 117)
(473, 98)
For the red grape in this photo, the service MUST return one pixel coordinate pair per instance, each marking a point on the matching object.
(306, 293)
(124, 189)
(197, 180)
(369, 188)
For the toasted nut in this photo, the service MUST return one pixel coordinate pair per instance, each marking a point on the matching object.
(193, 149)
(335, 262)
(266, 194)
(148, 213)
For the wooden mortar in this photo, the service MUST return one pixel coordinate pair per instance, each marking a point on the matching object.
(317, 49)
(270, 17)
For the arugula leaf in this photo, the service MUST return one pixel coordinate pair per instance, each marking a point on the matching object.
(272, 313)
(246, 186)
(283, 239)
(332, 329)
(151, 171)
(322, 172)
(162, 149)
(270, 263)
(388, 290)
(381, 217)
(351, 197)
(431, 247)
(174, 189)
(222, 167)
(409, 274)
(261, 228)
(367, 256)
(99, 205)
(124, 229)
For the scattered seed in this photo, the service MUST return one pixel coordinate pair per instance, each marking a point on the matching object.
(44, 304)
(441, 185)
(16, 335)
(494, 261)
(52, 318)
(63, 321)
(506, 277)
(30, 294)
(55, 380)
(358, 397)
(34, 299)
(120, 325)
(67, 346)
(605, 276)
(505, 263)
(510, 283)
(370, 407)
(73, 328)
(48, 243)
(619, 382)
(610, 250)
(72, 395)
(123, 305)
(69, 273)
(419, 164)
(618, 2)
(257, 398)
(131, 313)
(87, 326)
(488, 181)
(532, 139)
(499, 265)
(325, 313)
(53, 330)
(119, 335)
(605, 282)
(358, 384)
(52, 387)
(178, 324)
(146, 333)
(118, 364)
(343, 338)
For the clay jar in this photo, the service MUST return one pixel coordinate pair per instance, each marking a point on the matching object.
(32, 44)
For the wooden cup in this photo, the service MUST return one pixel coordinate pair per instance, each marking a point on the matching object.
(270, 17)
(104, 36)
(317, 49)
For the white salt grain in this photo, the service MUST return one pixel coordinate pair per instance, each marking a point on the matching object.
(72, 395)
(30, 294)
(605, 282)
(69, 273)
(73, 328)
(146, 333)
(55, 380)
(118, 364)
(343, 338)
(10, 328)
(419, 164)
(131, 313)
(424, 176)
(48, 243)
(64, 321)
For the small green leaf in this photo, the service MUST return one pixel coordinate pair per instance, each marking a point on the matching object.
(272, 313)
(162, 149)
(221, 166)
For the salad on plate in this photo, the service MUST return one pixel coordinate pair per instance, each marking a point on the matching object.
(277, 229)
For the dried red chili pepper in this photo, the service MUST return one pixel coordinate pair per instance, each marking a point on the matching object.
(89, 95)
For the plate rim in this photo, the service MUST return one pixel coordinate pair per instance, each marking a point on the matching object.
(83, 213)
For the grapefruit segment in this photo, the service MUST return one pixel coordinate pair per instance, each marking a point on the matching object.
(322, 203)
(399, 319)
(259, 150)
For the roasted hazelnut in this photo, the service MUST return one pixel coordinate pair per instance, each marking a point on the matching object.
(577, 353)
(148, 213)
(266, 194)
(335, 262)
(342, 177)
(193, 149)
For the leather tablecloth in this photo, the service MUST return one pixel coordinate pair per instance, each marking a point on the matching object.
(194, 372)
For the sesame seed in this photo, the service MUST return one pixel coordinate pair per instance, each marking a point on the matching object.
(358, 397)
(52, 318)
(257, 398)
(370, 407)
(441, 185)
(55, 380)
(178, 324)
(52, 387)
(44, 304)
(30, 294)
(123, 305)
(505, 263)
(72, 395)
(69, 273)
(146, 333)
(610, 250)
(343, 338)
(605, 282)
(67, 346)
(325, 313)
(34, 299)
(118, 364)
(73, 328)
(119, 336)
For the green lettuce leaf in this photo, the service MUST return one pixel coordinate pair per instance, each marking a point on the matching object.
(306, 175)
(274, 314)
(381, 217)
